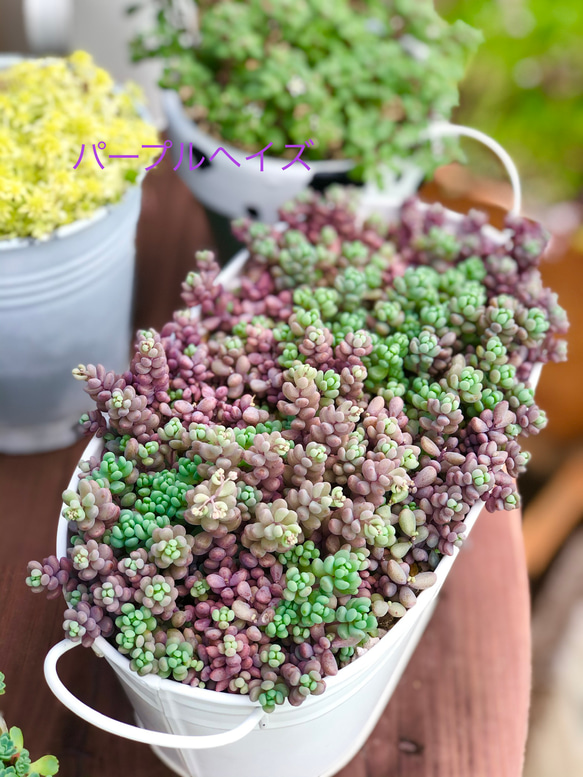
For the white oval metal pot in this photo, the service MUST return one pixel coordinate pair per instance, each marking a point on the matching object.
(234, 192)
(199, 733)
(63, 301)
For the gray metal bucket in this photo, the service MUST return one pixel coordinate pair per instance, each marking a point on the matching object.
(63, 301)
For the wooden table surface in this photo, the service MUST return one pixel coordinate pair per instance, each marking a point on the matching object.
(461, 708)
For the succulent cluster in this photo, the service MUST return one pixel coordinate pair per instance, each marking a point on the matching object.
(286, 463)
(539, 80)
(53, 110)
(360, 79)
(15, 758)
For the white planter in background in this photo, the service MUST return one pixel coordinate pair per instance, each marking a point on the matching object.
(104, 29)
(47, 24)
(246, 191)
(63, 301)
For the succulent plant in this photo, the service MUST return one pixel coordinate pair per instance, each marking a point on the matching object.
(274, 530)
(171, 550)
(338, 573)
(212, 505)
(46, 182)
(267, 536)
(176, 657)
(157, 594)
(92, 509)
(15, 758)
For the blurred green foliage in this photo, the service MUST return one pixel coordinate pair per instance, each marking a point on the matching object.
(525, 86)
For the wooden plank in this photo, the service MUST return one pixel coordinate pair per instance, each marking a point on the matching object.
(560, 595)
(553, 514)
(555, 744)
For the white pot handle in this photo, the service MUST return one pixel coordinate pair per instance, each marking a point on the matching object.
(443, 129)
(155, 738)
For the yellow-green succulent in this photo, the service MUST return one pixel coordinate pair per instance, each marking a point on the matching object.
(49, 109)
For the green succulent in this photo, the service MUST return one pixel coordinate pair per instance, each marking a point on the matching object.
(382, 363)
(355, 620)
(434, 317)
(290, 355)
(348, 321)
(536, 324)
(323, 299)
(316, 610)
(411, 326)
(282, 333)
(298, 585)
(117, 471)
(15, 758)
(223, 617)
(393, 387)
(488, 401)
(468, 382)
(328, 384)
(316, 70)
(300, 555)
(248, 496)
(481, 477)
(188, 470)
(451, 281)
(351, 286)
(388, 315)
(297, 263)
(338, 573)
(142, 659)
(199, 590)
(285, 618)
(273, 656)
(345, 654)
(472, 268)
(465, 310)
(163, 493)
(311, 682)
(134, 530)
(269, 694)
(176, 659)
(502, 377)
(422, 352)
(439, 243)
(304, 319)
(416, 287)
(135, 625)
(379, 533)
